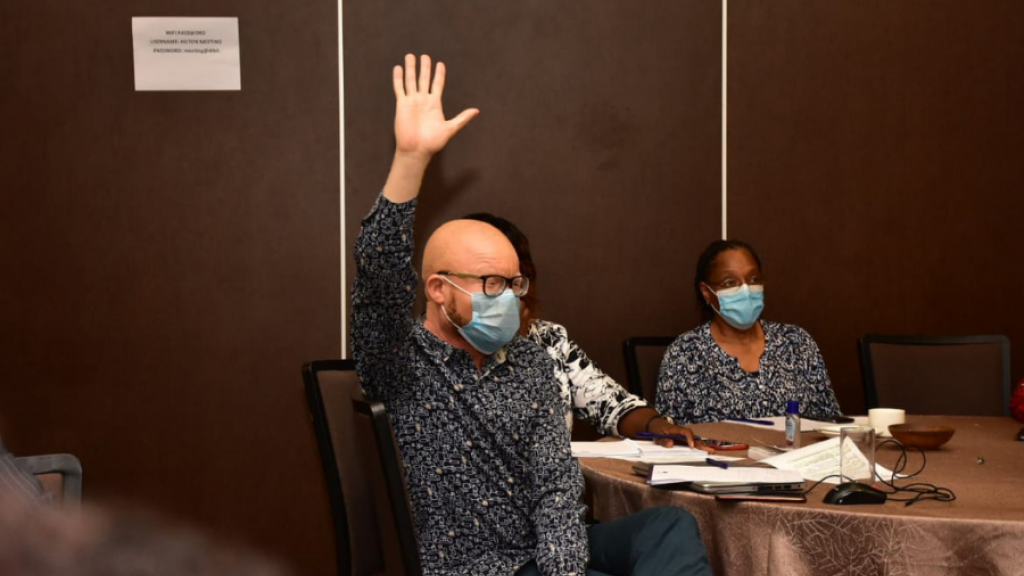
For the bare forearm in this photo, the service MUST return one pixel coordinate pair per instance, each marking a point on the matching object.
(635, 421)
(406, 176)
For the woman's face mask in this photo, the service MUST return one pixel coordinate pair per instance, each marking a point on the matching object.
(741, 306)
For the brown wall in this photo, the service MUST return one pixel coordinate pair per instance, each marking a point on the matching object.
(168, 261)
(598, 136)
(876, 155)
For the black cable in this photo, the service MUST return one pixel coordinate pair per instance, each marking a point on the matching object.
(920, 490)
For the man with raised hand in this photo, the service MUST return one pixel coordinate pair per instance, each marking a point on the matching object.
(476, 409)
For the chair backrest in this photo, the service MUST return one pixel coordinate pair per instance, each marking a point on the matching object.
(643, 356)
(60, 475)
(386, 475)
(956, 375)
(365, 530)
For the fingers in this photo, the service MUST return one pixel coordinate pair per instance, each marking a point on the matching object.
(410, 74)
(424, 86)
(396, 78)
(421, 84)
(702, 446)
(463, 118)
(437, 88)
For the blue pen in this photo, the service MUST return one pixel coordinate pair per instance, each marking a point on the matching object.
(719, 463)
(678, 437)
(752, 421)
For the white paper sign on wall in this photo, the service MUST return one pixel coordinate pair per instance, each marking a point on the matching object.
(186, 54)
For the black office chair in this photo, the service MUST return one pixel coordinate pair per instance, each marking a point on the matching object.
(373, 526)
(955, 375)
(643, 356)
(402, 552)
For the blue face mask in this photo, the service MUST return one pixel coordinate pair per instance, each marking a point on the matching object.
(740, 307)
(495, 320)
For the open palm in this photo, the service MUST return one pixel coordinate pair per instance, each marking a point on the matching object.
(420, 125)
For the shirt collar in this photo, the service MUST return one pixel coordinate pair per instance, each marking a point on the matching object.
(441, 351)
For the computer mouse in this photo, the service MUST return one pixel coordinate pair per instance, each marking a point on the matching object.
(855, 493)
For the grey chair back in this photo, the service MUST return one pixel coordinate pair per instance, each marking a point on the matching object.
(366, 530)
(643, 355)
(60, 475)
(956, 375)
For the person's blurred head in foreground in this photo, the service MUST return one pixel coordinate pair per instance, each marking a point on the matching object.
(50, 541)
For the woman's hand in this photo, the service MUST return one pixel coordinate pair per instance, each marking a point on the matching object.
(663, 426)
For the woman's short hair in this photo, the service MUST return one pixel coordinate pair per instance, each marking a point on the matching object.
(707, 260)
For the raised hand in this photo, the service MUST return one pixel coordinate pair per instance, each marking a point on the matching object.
(421, 129)
(420, 126)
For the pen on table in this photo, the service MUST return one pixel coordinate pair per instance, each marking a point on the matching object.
(678, 437)
(719, 463)
(752, 421)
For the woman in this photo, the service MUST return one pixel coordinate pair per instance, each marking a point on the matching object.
(735, 365)
(587, 392)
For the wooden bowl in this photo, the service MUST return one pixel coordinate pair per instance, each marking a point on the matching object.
(921, 436)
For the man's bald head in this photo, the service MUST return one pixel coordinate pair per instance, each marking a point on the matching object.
(469, 247)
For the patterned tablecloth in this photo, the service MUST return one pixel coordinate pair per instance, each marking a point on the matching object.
(981, 533)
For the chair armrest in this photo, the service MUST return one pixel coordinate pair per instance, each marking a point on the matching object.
(67, 465)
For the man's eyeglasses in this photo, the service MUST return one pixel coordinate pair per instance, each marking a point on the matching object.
(495, 285)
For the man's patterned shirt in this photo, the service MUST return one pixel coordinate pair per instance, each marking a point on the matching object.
(486, 451)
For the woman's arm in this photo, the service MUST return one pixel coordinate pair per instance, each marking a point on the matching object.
(596, 397)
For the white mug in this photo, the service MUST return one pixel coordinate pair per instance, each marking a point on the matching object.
(881, 418)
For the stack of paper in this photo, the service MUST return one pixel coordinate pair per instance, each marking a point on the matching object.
(670, 474)
(605, 449)
(820, 460)
(635, 450)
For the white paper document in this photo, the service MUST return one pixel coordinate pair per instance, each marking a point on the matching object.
(186, 54)
(821, 459)
(605, 449)
(674, 474)
(635, 450)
